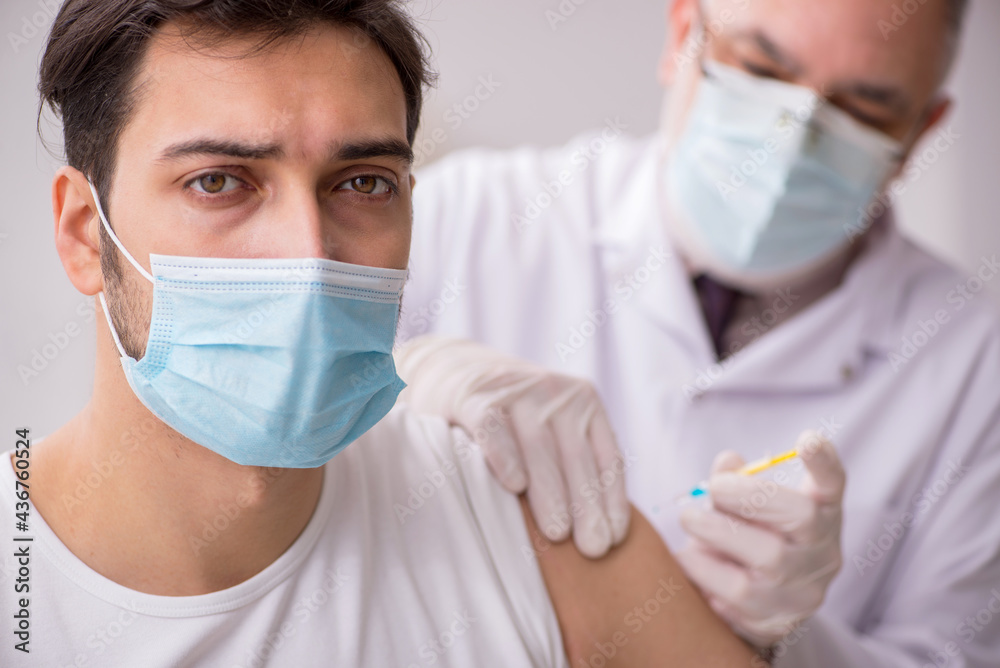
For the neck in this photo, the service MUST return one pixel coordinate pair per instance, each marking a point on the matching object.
(155, 512)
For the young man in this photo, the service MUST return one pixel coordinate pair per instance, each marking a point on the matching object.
(238, 195)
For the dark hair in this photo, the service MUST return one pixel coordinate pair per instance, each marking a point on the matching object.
(96, 47)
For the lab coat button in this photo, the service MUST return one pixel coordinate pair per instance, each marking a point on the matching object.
(846, 372)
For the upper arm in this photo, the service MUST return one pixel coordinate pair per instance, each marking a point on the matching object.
(633, 607)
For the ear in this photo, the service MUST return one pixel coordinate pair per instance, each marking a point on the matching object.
(76, 230)
(938, 112)
(680, 18)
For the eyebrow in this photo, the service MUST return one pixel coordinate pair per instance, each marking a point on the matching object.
(372, 148)
(338, 151)
(887, 96)
(772, 50)
(229, 149)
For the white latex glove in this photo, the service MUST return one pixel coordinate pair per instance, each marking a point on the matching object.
(764, 555)
(539, 430)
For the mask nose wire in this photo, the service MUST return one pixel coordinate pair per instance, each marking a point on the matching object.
(114, 237)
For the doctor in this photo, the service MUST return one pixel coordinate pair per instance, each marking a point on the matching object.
(725, 285)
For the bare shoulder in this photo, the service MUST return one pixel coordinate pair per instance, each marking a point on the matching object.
(634, 607)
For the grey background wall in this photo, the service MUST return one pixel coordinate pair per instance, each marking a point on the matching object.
(518, 76)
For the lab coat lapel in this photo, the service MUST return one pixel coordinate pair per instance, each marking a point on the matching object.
(803, 354)
(630, 235)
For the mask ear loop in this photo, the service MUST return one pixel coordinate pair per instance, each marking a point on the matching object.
(111, 326)
(114, 237)
(128, 256)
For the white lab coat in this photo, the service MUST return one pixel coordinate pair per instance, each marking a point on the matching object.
(587, 283)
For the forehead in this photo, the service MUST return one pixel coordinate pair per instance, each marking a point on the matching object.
(842, 38)
(303, 92)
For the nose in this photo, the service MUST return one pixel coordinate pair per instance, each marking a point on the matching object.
(297, 223)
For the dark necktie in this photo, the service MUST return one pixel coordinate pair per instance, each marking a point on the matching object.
(718, 303)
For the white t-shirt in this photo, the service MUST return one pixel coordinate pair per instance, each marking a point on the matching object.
(414, 557)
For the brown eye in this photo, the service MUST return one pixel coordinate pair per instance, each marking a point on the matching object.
(368, 185)
(213, 184)
(364, 184)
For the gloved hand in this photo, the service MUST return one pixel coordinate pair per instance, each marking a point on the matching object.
(539, 430)
(764, 555)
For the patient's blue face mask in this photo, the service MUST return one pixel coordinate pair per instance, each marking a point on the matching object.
(267, 362)
(767, 174)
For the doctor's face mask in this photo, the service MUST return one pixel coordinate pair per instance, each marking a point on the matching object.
(767, 174)
(764, 179)
(267, 362)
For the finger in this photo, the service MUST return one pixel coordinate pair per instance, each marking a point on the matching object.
(826, 477)
(713, 575)
(735, 597)
(757, 632)
(728, 613)
(504, 459)
(748, 545)
(727, 588)
(612, 465)
(727, 460)
(491, 428)
(764, 502)
(721, 608)
(591, 530)
(546, 487)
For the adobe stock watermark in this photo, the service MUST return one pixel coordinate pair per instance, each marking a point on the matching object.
(793, 634)
(34, 24)
(56, 342)
(793, 120)
(241, 330)
(378, 371)
(974, 624)
(917, 165)
(454, 117)
(419, 322)
(434, 649)
(559, 522)
(101, 470)
(967, 630)
(634, 621)
(580, 160)
(562, 12)
(960, 296)
(105, 636)
(880, 546)
(624, 289)
(753, 329)
(307, 606)
(433, 480)
(715, 26)
(228, 513)
(783, 476)
(901, 13)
